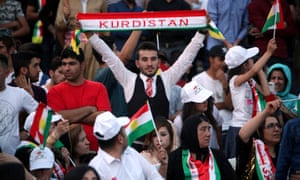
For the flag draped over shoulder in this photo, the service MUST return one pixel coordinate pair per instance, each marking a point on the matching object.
(214, 32)
(41, 124)
(141, 123)
(275, 17)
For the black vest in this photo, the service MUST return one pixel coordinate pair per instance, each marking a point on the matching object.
(159, 104)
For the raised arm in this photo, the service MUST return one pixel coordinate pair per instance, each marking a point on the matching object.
(253, 124)
(129, 46)
(258, 65)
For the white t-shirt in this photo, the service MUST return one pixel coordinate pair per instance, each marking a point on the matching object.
(12, 101)
(242, 102)
(216, 87)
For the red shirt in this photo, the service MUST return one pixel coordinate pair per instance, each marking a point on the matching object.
(66, 97)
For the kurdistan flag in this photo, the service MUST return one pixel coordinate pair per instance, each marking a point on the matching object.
(41, 124)
(275, 17)
(141, 123)
(214, 32)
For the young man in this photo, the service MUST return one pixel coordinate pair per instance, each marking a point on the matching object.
(77, 99)
(214, 79)
(12, 101)
(27, 68)
(115, 160)
(150, 84)
(7, 48)
(55, 73)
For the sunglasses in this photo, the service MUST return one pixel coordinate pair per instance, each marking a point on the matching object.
(272, 126)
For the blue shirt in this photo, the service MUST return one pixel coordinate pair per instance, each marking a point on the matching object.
(230, 17)
(120, 37)
(289, 153)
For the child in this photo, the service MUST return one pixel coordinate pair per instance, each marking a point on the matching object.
(243, 87)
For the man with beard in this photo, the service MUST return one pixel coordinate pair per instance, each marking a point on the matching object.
(150, 84)
(115, 159)
(27, 68)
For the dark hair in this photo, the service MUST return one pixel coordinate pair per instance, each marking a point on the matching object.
(23, 59)
(105, 144)
(261, 128)
(23, 155)
(68, 52)
(146, 45)
(12, 170)
(8, 42)
(55, 63)
(189, 137)
(160, 121)
(3, 61)
(78, 172)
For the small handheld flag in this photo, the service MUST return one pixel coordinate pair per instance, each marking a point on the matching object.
(275, 18)
(41, 124)
(141, 123)
(214, 31)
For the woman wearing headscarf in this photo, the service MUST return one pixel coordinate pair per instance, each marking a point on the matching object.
(194, 159)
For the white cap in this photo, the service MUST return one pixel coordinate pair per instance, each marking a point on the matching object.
(194, 92)
(29, 120)
(237, 55)
(41, 159)
(107, 125)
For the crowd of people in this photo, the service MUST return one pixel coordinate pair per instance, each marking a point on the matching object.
(222, 108)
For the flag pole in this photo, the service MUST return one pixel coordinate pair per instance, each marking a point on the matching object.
(157, 40)
(155, 129)
(288, 100)
(274, 31)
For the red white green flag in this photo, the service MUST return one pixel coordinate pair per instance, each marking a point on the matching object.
(196, 170)
(141, 123)
(185, 19)
(41, 124)
(214, 32)
(275, 17)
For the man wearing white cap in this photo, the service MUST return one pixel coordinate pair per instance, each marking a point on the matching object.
(243, 87)
(115, 160)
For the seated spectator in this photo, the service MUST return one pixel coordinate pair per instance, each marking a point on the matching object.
(78, 145)
(157, 149)
(257, 153)
(194, 158)
(281, 76)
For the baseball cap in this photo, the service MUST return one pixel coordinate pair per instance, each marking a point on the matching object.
(218, 50)
(237, 55)
(107, 125)
(41, 159)
(29, 120)
(194, 92)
